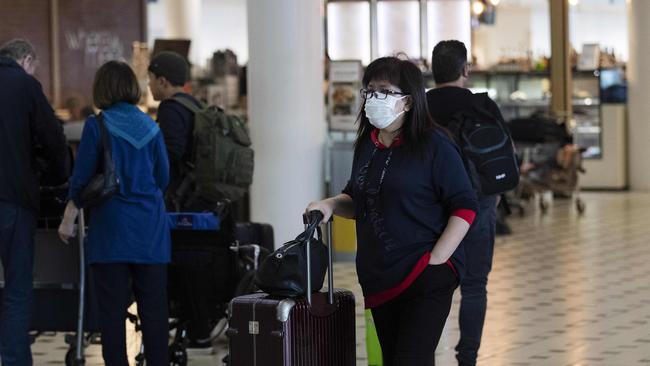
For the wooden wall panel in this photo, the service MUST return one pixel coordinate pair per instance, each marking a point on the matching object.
(92, 32)
(84, 35)
(30, 19)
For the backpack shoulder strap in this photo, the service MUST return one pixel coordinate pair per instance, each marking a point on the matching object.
(481, 100)
(188, 104)
(480, 104)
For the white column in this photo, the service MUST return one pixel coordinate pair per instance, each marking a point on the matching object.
(286, 111)
(639, 95)
(184, 21)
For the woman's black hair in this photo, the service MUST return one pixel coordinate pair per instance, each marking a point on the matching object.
(115, 82)
(417, 121)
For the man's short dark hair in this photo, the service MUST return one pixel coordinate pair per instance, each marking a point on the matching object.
(171, 66)
(17, 49)
(115, 82)
(448, 60)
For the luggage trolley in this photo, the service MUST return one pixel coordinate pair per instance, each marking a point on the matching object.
(209, 267)
(550, 161)
(201, 280)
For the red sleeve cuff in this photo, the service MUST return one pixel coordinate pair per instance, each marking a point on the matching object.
(465, 214)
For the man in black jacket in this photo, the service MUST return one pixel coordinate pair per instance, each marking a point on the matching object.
(26, 120)
(451, 72)
(168, 73)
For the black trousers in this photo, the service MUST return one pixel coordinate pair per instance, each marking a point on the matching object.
(409, 327)
(149, 283)
(479, 250)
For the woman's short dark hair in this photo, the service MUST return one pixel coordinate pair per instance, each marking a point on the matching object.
(447, 61)
(115, 82)
(417, 121)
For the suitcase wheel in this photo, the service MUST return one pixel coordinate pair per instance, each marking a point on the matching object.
(177, 355)
(71, 357)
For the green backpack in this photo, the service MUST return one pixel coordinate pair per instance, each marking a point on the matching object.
(222, 160)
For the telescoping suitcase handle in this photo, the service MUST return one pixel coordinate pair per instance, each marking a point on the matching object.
(314, 218)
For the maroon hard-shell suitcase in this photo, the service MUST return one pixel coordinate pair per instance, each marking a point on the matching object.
(272, 331)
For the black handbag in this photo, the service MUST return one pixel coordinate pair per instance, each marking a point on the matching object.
(284, 272)
(105, 184)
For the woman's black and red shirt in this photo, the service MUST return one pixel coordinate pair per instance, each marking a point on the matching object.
(402, 206)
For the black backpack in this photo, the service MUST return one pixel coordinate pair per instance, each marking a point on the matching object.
(487, 148)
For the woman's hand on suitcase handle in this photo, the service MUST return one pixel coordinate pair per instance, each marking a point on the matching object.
(326, 207)
(67, 229)
(341, 205)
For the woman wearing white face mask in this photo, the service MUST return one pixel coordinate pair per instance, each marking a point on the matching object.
(413, 204)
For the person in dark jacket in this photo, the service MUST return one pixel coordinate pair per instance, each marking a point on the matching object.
(26, 119)
(413, 203)
(129, 237)
(451, 72)
(168, 73)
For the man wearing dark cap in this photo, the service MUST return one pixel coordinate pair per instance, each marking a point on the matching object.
(168, 73)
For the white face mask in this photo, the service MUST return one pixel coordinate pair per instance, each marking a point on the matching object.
(381, 112)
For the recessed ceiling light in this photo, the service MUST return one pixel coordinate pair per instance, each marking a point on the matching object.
(478, 7)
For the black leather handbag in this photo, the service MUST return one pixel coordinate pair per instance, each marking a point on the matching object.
(105, 184)
(284, 272)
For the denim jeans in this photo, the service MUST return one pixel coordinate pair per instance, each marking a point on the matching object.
(479, 250)
(17, 229)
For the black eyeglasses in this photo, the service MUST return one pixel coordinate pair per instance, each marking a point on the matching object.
(379, 94)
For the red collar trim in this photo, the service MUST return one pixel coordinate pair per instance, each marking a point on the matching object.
(374, 136)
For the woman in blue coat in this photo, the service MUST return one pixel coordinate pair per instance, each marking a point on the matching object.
(128, 238)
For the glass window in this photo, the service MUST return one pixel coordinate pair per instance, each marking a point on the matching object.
(448, 19)
(604, 23)
(398, 28)
(348, 31)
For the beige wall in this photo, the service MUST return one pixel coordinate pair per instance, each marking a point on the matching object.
(639, 95)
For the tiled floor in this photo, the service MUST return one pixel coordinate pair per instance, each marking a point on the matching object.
(565, 291)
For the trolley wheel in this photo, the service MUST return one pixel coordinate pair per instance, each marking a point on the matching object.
(522, 211)
(177, 355)
(71, 357)
(580, 206)
(543, 205)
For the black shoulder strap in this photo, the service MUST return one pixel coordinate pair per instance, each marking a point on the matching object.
(481, 100)
(480, 106)
(103, 134)
(188, 103)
